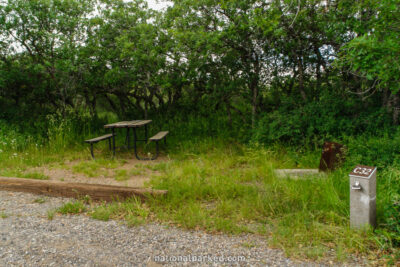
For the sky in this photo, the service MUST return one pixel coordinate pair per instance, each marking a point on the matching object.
(158, 4)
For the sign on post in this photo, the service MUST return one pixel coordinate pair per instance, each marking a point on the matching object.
(362, 196)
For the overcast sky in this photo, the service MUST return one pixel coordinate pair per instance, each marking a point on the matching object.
(158, 4)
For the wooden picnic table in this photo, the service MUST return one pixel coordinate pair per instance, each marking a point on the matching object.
(128, 125)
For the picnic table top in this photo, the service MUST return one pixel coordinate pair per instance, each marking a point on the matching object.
(127, 124)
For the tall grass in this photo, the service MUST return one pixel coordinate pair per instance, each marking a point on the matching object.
(234, 189)
(219, 184)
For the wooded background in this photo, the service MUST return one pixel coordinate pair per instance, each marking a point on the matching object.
(290, 70)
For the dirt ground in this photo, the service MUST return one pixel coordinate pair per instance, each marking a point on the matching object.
(128, 172)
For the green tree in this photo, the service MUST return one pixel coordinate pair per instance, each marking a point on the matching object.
(374, 55)
(46, 36)
(226, 45)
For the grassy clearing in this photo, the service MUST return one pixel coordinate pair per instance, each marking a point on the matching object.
(233, 189)
(22, 173)
(121, 175)
(15, 163)
(222, 186)
(98, 167)
(138, 170)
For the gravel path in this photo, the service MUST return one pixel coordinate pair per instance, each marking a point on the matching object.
(28, 238)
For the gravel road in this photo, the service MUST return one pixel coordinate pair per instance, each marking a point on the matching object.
(29, 238)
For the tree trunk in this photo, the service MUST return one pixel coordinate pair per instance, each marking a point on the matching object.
(228, 110)
(146, 107)
(112, 104)
(396, 109)
(301, 78)
(385, 98)
(254, 106)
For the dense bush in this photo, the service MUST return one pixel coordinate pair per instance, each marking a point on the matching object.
(326, 119)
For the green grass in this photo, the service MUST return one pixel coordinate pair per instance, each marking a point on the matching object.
(233, 189)
(22, 173)
(3, 215)
(132, 210)
(35, 175)
(121, 175)
(157, 167)
(95, 168)
(39, 200)
(222, 186)
(138, 170)
(72, 208)
(50, 214)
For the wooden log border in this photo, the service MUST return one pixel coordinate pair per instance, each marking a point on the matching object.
(76, 190)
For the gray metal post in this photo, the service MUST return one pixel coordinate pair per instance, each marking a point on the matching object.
(363, 196)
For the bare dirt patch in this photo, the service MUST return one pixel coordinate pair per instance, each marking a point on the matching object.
(126, 172)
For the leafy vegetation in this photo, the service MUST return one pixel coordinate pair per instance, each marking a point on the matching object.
(72, 207)
(132, 211)
(246, 59)
(244, 87)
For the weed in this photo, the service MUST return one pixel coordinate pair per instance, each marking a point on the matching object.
(103, 212)
(35, 175)
(20, 173)
(136, 172)
(40, 200)
(50, 214)
(72, 207)
(86, 199)
(133, 220)
(3, 215)
(132, 210)
(121, 175)
(93, 168)
(157, 167)
(248, 245)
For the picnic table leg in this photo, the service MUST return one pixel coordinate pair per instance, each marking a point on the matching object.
(134, 143)
(157, 152)
(91, 150)
(128, 138)
(113, 137)
(145, 132)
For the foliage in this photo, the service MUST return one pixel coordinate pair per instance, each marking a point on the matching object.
(375, 53)
(242, 58)
(391, 207)
(284, 74)
(72, 207)
(315, 122)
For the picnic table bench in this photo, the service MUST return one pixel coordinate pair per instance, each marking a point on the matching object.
(128, 125)
(98, 139)
(159, 136)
